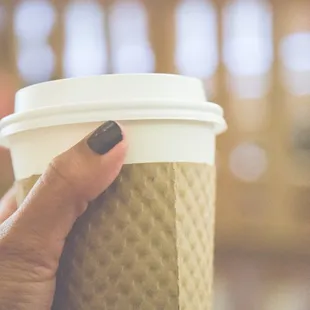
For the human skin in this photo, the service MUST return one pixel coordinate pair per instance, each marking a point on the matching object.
(32, 236)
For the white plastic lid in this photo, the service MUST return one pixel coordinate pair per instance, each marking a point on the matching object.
(116, 97)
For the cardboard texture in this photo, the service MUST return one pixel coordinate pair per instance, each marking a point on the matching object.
(146, 243)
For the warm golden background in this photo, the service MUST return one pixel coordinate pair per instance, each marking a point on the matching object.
(254, 58)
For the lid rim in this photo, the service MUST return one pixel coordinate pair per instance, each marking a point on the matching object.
(141, 104)
(126, 110)
(217, 122)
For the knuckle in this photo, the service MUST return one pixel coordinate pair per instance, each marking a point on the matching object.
(69, 180)
(73, 172)
(67, 171)
(58, 173)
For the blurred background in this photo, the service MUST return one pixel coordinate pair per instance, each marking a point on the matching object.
(254, 59)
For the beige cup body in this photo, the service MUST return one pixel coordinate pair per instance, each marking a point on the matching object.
(146, 243)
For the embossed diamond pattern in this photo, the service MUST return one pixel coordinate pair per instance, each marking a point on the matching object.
(195, 228)
(122, 253)
(146, 243)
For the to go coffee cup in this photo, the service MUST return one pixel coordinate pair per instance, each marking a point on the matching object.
(147, 243)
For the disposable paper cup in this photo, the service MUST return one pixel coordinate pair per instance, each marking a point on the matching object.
(171, 130)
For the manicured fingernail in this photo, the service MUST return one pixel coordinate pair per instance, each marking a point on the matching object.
(105, 137)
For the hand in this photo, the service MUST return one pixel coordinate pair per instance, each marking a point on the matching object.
(32, 236)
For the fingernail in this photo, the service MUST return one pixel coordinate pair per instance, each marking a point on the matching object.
(105, 137)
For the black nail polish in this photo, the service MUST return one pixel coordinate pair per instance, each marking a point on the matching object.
(105, 138)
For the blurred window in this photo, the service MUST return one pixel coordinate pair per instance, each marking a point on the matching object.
(248, 50)
(34, 20)
(35, 63)
(295, 56)
(33, 23)
(196, 38)
(131, 51)
(247, 37)
(85, 46)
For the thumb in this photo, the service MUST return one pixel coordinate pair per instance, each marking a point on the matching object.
(62, 193)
